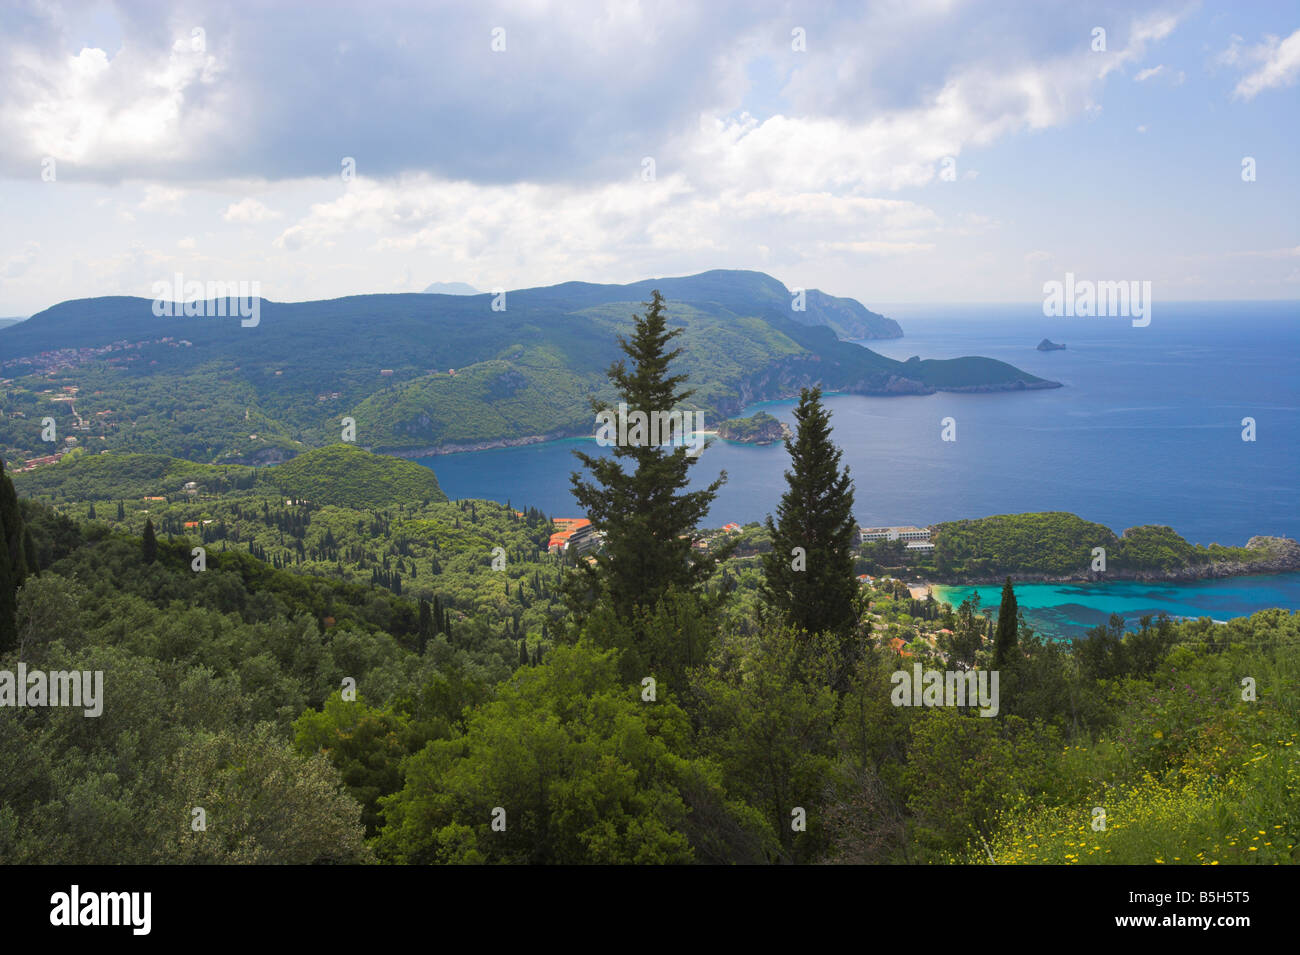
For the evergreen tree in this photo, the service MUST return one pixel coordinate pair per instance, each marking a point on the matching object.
(90, 514)
(426, 624)
(808, 575)
(967, 633)
(1008, 623)
(523, 653)
(8, 597)
(13, 564)
(121, 511)
(151, 542)
(12, 520)
(646, 514)
(29, 549)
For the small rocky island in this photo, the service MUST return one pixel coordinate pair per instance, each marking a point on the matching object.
(1048, 345)
(761, 428)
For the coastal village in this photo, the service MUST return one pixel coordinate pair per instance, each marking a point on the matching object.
(903, 616)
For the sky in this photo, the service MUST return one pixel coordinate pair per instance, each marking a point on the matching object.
(918, 151)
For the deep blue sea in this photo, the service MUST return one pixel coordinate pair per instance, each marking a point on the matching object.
(1146, 430)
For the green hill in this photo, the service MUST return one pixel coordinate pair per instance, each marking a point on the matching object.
(209, 389)
(339, 474)
(349, 476)
(1057, 543)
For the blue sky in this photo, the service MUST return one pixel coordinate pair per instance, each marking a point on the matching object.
(218, 154)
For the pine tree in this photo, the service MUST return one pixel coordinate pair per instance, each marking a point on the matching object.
(808, 575)
(523, 653)
(121, 511)
(646, 515)
(90, 514)
(150, 549)
(1008, 622)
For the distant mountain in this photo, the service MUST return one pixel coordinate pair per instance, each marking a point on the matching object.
(6, 322)
(1048, 345)
(421, 374)
(451, 288)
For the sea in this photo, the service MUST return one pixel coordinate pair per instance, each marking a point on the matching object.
(1192, 421)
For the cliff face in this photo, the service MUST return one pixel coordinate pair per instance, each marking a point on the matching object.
(848, 318)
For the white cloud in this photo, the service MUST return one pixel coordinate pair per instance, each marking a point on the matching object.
(249, 210)
(1278, 64)
(92, 110)
(1145, 75)
(160, 198)
(17, 265)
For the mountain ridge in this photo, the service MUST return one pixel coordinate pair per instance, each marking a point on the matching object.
(418, 371)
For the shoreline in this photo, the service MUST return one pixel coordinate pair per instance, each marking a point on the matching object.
(935, 585)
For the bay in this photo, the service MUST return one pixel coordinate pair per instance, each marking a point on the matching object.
(1147, 429)
(1063, 611)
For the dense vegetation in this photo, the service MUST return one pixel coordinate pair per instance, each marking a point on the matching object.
(226, 686)
(710, 714)
(1059, 543)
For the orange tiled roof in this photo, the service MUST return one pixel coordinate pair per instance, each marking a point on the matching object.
(570, 523)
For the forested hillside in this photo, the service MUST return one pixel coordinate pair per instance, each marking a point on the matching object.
(419, 372)
(1062, 544)
(227, 685)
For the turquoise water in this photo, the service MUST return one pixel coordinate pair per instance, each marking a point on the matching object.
(1069, 610)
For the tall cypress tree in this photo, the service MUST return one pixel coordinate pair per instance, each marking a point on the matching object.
(29, 550)
(12, 519)
(1008, 621)
(13, 564)
(8, 596)
(646, 514)
(426, 624)
(808, 575)
(150, 549)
